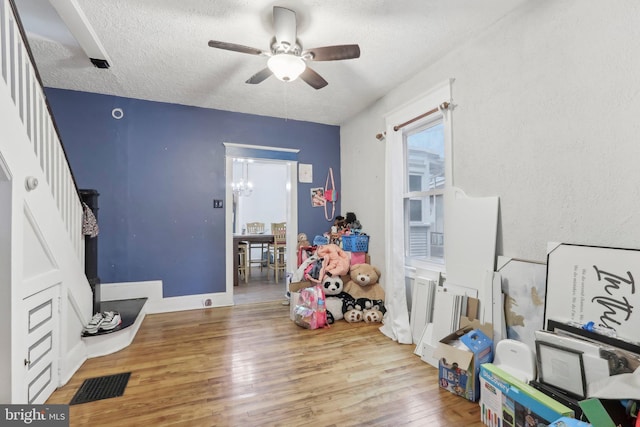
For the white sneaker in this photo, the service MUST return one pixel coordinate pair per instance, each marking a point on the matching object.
(94, 324)
(111, 320)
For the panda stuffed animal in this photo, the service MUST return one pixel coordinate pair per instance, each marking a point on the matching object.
(335, 298)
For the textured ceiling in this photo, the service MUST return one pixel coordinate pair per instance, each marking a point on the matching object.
(158, 50)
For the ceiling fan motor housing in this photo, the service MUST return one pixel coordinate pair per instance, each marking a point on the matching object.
(285, 47)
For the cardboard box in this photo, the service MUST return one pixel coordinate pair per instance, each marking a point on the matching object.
(459, 368)
(298, 286)
(509, 402)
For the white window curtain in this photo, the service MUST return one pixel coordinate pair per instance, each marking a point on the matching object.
(396, 322)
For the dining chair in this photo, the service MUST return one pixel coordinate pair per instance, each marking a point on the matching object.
(256, 228)
(277, 249)
(243, 270)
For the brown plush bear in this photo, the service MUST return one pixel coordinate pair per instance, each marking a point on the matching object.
(303, 241)
(368, 294)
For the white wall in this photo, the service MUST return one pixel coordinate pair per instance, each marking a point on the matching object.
(268, 203)
(546, 105)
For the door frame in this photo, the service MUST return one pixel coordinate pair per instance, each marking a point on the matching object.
(261, 153)
(6, 295)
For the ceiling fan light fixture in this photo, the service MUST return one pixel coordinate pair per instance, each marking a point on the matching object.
(286, 67)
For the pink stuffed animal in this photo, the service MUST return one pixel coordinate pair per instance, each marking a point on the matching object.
(336, 261)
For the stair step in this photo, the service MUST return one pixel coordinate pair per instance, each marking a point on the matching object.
(129, 310)
(132, 312)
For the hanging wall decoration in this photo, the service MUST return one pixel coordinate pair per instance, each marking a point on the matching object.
(330, 196)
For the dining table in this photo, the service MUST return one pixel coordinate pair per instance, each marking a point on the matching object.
(249, 238)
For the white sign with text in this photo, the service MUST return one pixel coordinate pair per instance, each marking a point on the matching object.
(594, 284)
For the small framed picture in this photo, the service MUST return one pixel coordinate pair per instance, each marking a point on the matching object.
(317, 197)
(305, 173)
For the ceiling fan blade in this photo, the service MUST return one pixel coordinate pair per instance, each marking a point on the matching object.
(284, 22)
(334, 53)
(313, 79)
(260, 76)
(235, 47)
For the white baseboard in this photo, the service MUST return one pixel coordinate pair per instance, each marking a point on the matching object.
(152, 290)
(194, 302)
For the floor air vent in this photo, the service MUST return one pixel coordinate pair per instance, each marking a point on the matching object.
(100, 388)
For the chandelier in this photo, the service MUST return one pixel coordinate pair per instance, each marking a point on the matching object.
(242, 187)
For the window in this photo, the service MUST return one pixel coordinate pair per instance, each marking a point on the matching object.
(417, 177)
(424, 167)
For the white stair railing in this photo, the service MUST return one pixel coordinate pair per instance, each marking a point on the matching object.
(23, 82)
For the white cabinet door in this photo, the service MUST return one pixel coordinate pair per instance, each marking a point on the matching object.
(41, 348)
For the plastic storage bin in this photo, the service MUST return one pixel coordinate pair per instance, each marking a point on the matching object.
(355, 243)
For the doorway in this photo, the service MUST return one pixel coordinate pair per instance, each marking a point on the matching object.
(260, 187)
(259, 195)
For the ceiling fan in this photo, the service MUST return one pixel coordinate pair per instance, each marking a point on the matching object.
(287, 60)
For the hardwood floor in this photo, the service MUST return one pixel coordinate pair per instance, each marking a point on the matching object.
(249, 365)
(261, 288)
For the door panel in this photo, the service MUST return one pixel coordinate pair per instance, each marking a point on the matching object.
(42, 343)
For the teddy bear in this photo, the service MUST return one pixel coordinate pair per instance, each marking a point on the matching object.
(303, 241)
(363, 309)
(368, 294)
(335, 298)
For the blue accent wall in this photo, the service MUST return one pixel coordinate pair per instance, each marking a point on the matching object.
(158, 169)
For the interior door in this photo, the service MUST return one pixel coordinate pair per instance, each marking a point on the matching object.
(42, 331)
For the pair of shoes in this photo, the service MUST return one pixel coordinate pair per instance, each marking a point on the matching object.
(111, 319)
(94, 324)
(105, 321)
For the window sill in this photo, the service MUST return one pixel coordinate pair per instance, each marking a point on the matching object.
(413, 264)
